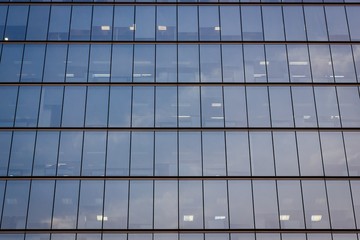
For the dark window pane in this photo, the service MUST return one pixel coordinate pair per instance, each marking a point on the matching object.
(8, 97)
(38, 23)
(46, 153)
(10, 64)
(40, 204)
(74, 106)
(80, 23)
(59, 23)
(3, 13)
(33, 63)
(50, 106)
(5, 143)
(27, 106)
(16, 23)
(99, 67)
(77, 63)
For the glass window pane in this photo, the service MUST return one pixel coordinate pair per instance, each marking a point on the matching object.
(240, 205)
(190, 162)
(99, 67)
(118, 154)
(187, 23)
(242, 236)
(268, 236)
(166, 63)
(142, 154)
(33, 63)
(299, 66)
(40, 204)
(11, 236)
(213, 154)
(46, 153)
(120, 106)
(80, 23)
(340, 204)
(188, 63)
(333, 153)
(315, 23)
(349, 101)
(294, 23)
(166, 107)
(3, 13)
(230, 23)
(166, 205)
(212, 113)
(237, 154)
(166, 153)
(343, 63)
(115, 204)
(216, 205)
(8, 98)
(209, 26)
(336, 23)
(315, 204)
(50, 106)
(235, 106)
(59, 23)
(124, 26)
(5, 143)
(276, 63)
(321, 67)
(281, 107)
(255, 64)
(38, 23)
(145, 23)
(304, 107)
(258, 106)
(273, 23)
(10, 65)
(166, 236)
(251, 23)
(210, 63)
(166, 23)
(353, 18)
(290, 204)
(27, 106)
(93, 162)
(70, 153)
(261, 154)
(122, 63)
(143, 107)
(309, 154)
(102, 23)
(140, 236)
(141, 205)
(195, 236)
(77, 63)
(266, 208)
(327, 107)
(189, 106)
(351, 140)
(115, 236)
(65, 204)
(16, 23)
(97, 106)
(15, 205)
(190, 205)
(22, 152)
(232, 63)
(74, 106)
(90, 214)
(355, 190)
(285, 150)
(55, 63)
(144, 63)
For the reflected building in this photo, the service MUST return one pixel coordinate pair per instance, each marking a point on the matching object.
(179, 120)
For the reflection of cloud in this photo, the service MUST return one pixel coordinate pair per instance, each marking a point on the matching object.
(65, 222)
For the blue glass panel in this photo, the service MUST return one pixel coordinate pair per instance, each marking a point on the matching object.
(33, 63)
(5, 143)
(294, 23)
(10, 64)
(166, 107)
(145, 23)
(144, 63)
(230, 23)
(93, 156)
(97, 106)
(80, 23)
(3, 13)
(55, 63)
(50, 106)
(99, 67)
(212, 112)
(213, 148)
(315, 23)
(273, 23)
(143, 107)
(59, 23)
(118, 154)
(122, 63)
(120, 106)
(336, 23)
(251, 23)
(8, 98)
(77, 63)
(46, 153)
(166, 154)
(16, 23)
(353, 18)
(102, 23)
(210, 63)
(209, 26)
(124, 26)
(38, 23)
(166, 63)
(166, 23)
(187, 23)
(27, 106)
(74, 106)
(141, 205)
(165, 206)
(232, 63)
(142, 154)
(70, 151)
(188, 63)
(190, 155)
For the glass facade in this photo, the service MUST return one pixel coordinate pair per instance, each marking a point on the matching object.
(179, 120)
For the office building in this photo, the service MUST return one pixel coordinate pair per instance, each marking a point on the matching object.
(179, 120)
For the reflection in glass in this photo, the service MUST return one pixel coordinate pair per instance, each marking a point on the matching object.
(188, 63)
(281, 108)
(315, 23)
(38, 21)
(77, 63)
(343, 63)
(122, 63)
(273, 23)
(10, 65)
(166, 63)
(190, 160)
(251, 23)
(276, 63)
(235, 106)
(349, 102)
(166, 107)
(93, 156)
(299, 66)
(97, 106)
(144, 64)
(190, 205)
(187, 23)
(16, 22)
(327, 107)
(46, 153)
(166, 205)
(230, 23)
(353, 18)
(70, 153)
(120, 106)
(74, 106)
(255, 64)
(258, 106)
(261, 154)
(124, 26)
(166, 153)
(59, 23)
(142, 156)
(336, 23)
(143, 107)
(54, 70)
(210, 63)
(285, 150)
(144, 23)
(102, 23)
(232, 63)
(309, 154)
(321, 63)
(99, 67)
(212, 107)
(304, 107)
(294, 23)
(209, 26)
(80, 23)
(50, 106)
(213, 154)
(27, 106)
(33, 63)
(118, 154)
(166, 23)
(141, 205)
(189, 106)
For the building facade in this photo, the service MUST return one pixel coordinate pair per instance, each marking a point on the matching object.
(179, 120)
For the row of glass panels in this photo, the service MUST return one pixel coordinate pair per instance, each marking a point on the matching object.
(215, 153)
(184, 204)
(181, 236)
(182, 106)
(182, 23)
(179, 63)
